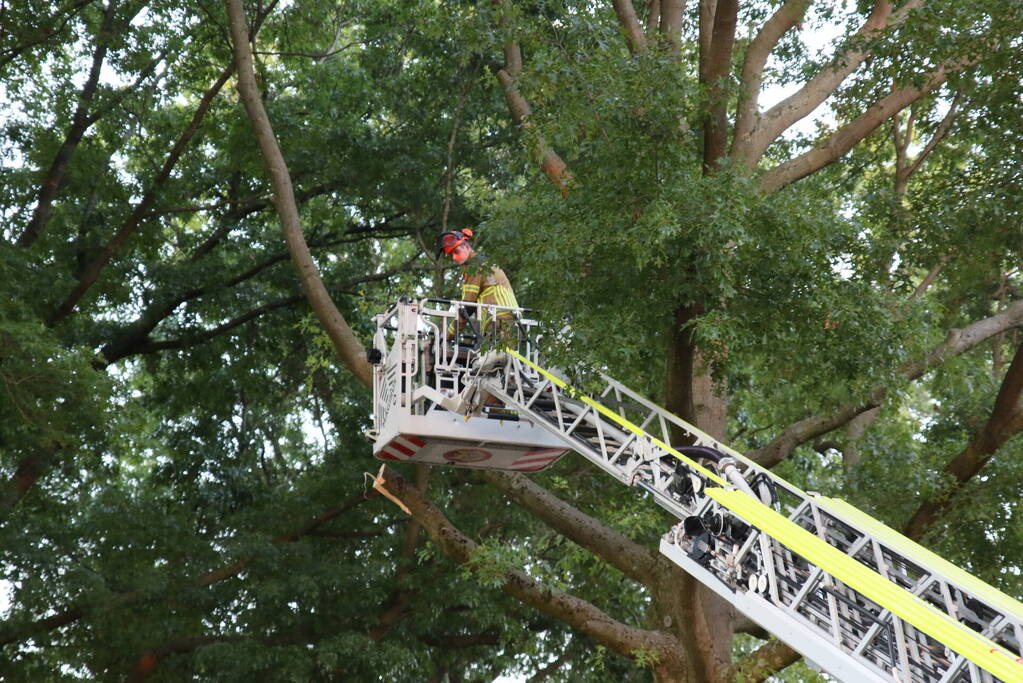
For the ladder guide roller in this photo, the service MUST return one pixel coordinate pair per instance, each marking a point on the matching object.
(855, 597)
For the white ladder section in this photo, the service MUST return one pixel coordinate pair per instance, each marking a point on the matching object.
(854, 597)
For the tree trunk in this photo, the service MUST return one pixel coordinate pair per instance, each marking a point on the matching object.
(705, 621)
(701, 620)
(690, 392)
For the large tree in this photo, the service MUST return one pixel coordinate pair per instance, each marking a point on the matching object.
(182, 457)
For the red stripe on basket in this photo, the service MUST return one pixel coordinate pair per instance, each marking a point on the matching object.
(401, 449)
(537, 459)
(531, 467)
(545, 451)
(414, 440)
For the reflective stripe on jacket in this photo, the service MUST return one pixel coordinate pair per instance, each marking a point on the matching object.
(487, 284)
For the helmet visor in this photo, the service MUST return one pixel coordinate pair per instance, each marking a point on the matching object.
(449, 241)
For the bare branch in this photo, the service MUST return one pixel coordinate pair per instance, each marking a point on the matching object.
(347, 345)
(309, 55)
(780, 117)
(550, 163)
(632, 559)
(630, 24)
(846, 137)
(751, 79)
(578, 613)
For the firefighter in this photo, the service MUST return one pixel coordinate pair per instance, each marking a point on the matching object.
(482, 282)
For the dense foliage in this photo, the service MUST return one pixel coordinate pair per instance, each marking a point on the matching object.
(182, 459)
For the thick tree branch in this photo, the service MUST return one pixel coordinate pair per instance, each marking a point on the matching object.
(457, 641)
(706, 32)
(846, 137)
(348, 347)
(653, 16)
(958, 341)
(630, 24)
(553, 166)
(92, 271)
(80, 122)
(30, 469)
(780, 117)
(148, 661)
(632, 559)
(1006, 421)
(714, 75)
(752, 75)
(759, 665)
(929, 279)
(623, 639)
(670, 27)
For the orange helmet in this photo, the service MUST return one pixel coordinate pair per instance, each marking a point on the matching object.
(447, 242)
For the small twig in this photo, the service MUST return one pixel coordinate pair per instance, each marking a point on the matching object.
(309, 55)
(930, 278)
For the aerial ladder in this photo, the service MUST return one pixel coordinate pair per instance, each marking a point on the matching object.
(854, 597)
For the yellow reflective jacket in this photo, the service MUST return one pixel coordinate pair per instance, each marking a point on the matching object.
(485, 283)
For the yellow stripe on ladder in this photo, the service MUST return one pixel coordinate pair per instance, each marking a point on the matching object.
(621, 421)
(914, 551)
(896, 599)
(910, 608)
